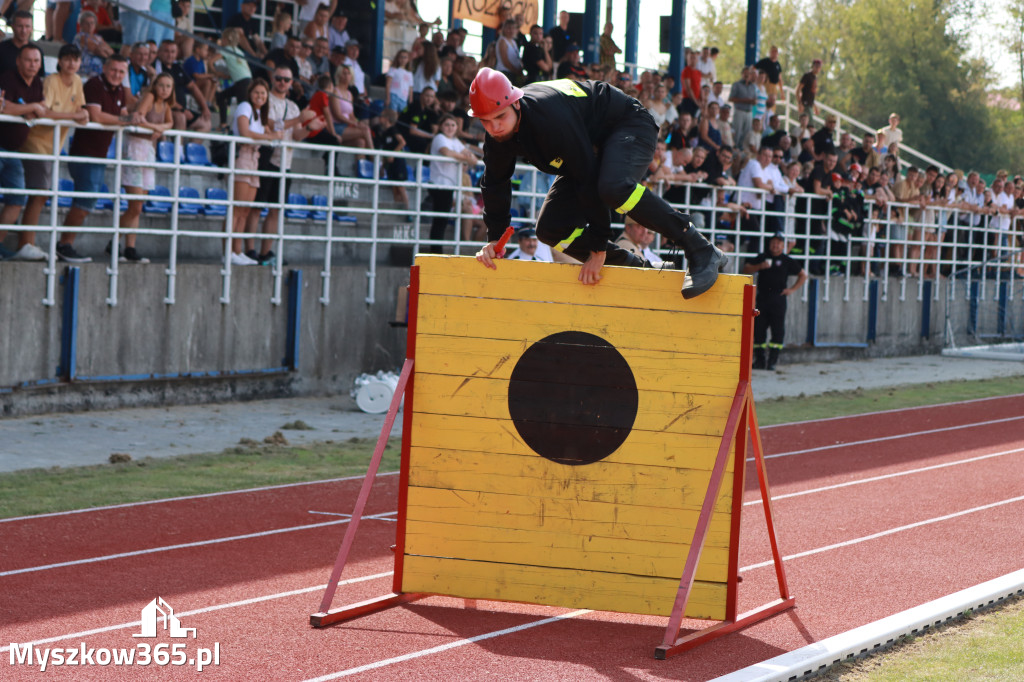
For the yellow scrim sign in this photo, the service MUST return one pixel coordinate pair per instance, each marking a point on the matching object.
(488, 12)
(562, 436)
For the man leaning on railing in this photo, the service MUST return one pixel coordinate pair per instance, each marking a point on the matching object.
(105, 101)
(22, 96)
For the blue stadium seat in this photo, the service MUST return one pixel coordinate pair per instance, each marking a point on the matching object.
(296, 213)
(319, 200)
(165, 151)
(424, 174)
(342, 218)
(366, 169)
(190, 208)
(104, 204)
(158, 207)
(196, 155)
(475, 175)
(217, 194)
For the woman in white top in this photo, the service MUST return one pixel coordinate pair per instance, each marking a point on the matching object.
(661, 108)
(428, 70)
(507, 53)
(446, 173)
(250, 121)
(398, 83)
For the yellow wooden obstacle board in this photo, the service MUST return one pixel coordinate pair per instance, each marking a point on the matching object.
(488, 517)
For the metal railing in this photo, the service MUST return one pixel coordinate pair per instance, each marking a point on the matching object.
(896, 238)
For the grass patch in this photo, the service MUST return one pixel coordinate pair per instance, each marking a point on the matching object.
(251, 464)
(984, 647)
(846, 403)
(247, 465)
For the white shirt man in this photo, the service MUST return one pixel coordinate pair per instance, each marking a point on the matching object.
(706, 66)
(755, 174)
(1002, 201)
(352, 59)
(530, 247)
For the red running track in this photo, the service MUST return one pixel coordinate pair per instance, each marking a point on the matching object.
(875, 514)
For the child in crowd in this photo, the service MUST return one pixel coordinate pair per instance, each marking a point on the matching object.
(195, 67)
(182, 12)
(282, 29)
(251, 121)
(155, 109)
(398, 93)
(388, 137)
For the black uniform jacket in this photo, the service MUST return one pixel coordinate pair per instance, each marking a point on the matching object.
(561, 130)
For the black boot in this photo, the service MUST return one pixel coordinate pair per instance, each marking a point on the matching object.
(758, 359)
(703, 259)
(773, 358)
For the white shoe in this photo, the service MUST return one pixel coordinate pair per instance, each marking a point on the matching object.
(29, 252)
(242, 259)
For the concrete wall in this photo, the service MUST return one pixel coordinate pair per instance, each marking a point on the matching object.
(142, 351)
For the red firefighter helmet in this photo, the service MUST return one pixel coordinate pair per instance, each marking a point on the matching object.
(490, 92)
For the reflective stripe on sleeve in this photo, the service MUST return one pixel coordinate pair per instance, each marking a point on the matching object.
(564, 244)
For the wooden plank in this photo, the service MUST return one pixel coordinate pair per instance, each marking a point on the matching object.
(563, 515)
(489, 436)
(624, 329)
(620, 288)
(658, 411)
(535, 476)
(472, 356)
(559, 587)
(540, 547)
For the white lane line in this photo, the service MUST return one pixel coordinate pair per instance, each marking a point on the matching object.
(205, 609)
(883, 439)
(446, 647)
(346, 516)
(883, 477)
(894, 410)
(192, 497)
(202, 543)
(891, 531)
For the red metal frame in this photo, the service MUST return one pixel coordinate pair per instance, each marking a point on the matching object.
(742, 422)
(404, 389)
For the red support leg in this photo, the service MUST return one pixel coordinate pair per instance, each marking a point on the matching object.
(364, 492)
(704, 519)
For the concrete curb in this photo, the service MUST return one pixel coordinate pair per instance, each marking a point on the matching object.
(816, 658)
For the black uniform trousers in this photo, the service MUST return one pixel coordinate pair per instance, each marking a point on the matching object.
(772, 316)
(622, 164)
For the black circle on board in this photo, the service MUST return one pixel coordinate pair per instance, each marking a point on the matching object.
(572, 398)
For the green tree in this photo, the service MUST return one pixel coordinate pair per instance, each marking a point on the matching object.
(901, 55)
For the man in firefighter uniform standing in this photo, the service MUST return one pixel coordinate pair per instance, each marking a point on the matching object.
(774, 268)
(599, 142)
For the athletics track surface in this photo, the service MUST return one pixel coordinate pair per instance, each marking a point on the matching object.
(875, 514)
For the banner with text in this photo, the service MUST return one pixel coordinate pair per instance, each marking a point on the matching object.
(489, 12)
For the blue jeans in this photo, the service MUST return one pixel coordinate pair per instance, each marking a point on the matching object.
(88, 177)
(134, 27)
(12, 176)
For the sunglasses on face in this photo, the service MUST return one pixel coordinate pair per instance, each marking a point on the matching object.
(283, 79)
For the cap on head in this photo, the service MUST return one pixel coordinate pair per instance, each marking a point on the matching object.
(352, 43)
(490, 92)
(856, 168)
(526, 233)
(779, 236)
(837, 179)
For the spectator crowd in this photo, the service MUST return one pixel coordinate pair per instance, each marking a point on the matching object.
(723, 153)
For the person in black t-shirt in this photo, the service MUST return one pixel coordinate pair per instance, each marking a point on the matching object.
(771, 67)
(418, 123)
(774, 267)
(560, 36)
(536, 60)
(252, 41)
(387, 136)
